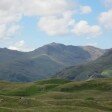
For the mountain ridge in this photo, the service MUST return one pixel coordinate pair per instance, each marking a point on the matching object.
(44, 61)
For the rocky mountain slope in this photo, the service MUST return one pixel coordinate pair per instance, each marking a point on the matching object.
(101, 67)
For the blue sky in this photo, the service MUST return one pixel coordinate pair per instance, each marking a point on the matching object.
(88, 22)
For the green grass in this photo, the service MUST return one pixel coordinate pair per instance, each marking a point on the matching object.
(53, 81)
(57, 95)
(107, 73)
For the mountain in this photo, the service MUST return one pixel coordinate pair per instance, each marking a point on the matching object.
(100, 68)
(44, 61)
(69, 55)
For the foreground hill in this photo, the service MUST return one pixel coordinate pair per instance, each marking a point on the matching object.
(44, 61)
(102, 67)
(57, 95)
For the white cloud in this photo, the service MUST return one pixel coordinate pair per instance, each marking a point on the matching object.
(46, 7)
(6, 17)
(2, 31)
(9, 18)
(7, 32)
(37, 7)
(20, 46)
(12, 6)
(108, 3)
(106, 19)
(54, 25)
(85, 9)
(12, 30)
(83, 28)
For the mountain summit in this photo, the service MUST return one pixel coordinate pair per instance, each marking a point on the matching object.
(69, 55)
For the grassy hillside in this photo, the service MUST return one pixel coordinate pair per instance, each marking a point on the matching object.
(102, 67)
(57, 95)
